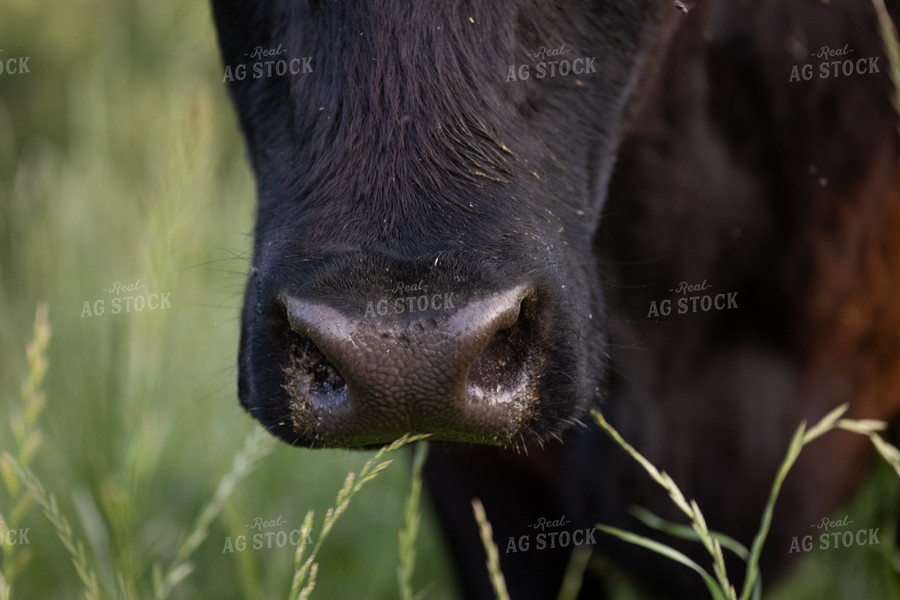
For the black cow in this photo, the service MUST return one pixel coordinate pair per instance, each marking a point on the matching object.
(480, 219)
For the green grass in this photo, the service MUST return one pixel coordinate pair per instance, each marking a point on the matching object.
(120, 159)
(115, 581)
(718, 583)
(877, 572)
(28, 439)
(305, 566)
(408, 536)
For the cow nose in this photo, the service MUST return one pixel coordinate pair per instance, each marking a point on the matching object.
(462, 375)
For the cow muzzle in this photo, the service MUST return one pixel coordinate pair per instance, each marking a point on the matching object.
(469, 374)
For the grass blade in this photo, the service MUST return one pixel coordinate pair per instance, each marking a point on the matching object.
(411, 525)
(711, 584)
(574, 575)
(48, 503)
(794, 449)
(493, 556)
(892, 48)
(256, 447)
(28, 441)
(305, 570)
(686, 532)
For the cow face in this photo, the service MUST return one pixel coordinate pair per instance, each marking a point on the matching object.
(430, 176)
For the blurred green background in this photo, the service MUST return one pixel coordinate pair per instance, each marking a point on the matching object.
(120, 160)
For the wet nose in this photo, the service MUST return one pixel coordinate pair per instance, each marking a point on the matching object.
(462, 374)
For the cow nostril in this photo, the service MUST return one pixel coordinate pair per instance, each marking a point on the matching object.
(309, 373)
(501, 371)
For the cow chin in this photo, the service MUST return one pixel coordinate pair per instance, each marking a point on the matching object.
(491, 368)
